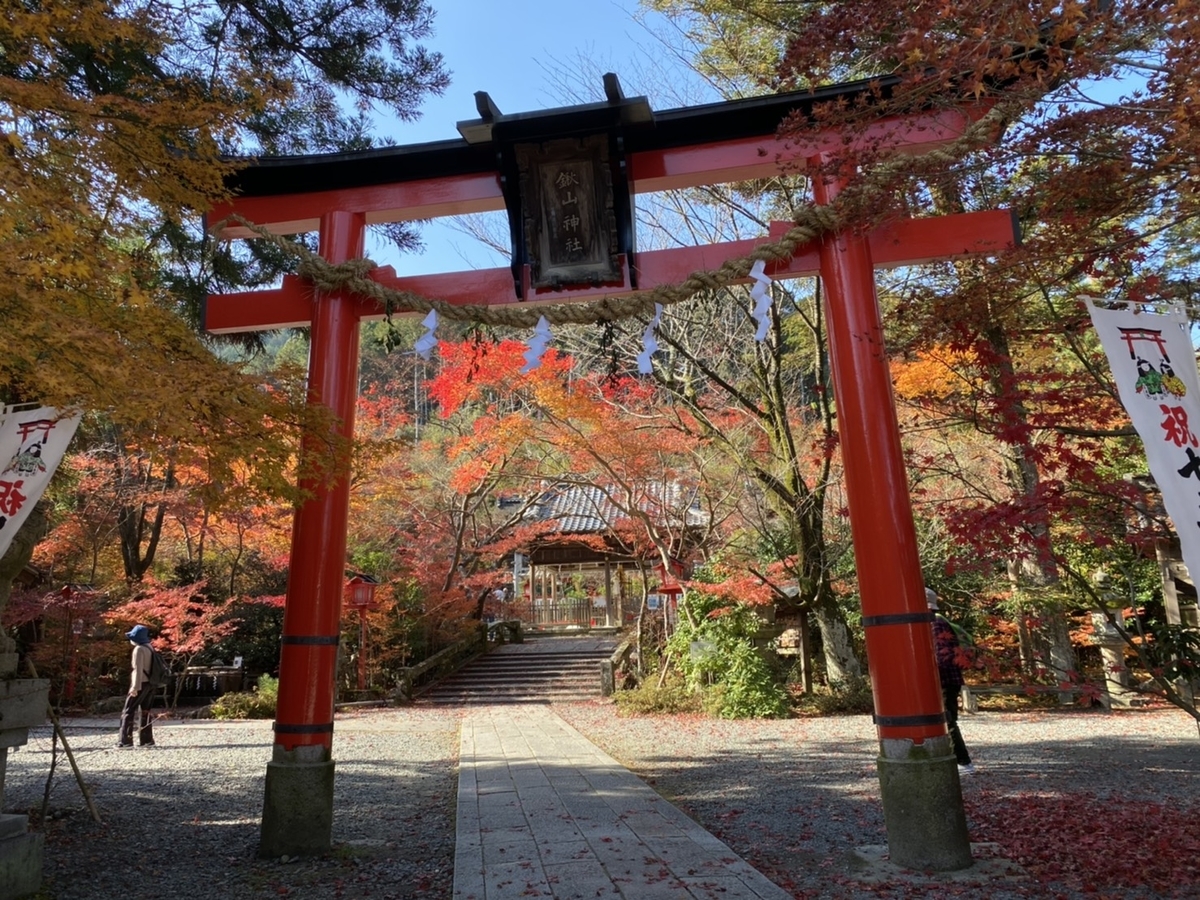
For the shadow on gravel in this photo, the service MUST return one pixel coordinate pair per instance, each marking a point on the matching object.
(1083, 802)
(182, 819)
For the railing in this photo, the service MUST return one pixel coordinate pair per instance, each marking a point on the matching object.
(614, 664)
(454, 657)
(550, 613)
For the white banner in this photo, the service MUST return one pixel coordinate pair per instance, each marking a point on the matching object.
(1154, 366)
(32, 444)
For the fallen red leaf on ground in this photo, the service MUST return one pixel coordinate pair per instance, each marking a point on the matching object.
(1090, 843)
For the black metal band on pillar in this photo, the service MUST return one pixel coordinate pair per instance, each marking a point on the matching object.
(909, 721)
(319, 728)
(897, 619)
(310, 640)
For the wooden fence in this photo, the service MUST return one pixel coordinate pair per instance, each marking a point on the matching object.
(559, 613)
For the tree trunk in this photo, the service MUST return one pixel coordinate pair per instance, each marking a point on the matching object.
(841, 662)
(135, 526)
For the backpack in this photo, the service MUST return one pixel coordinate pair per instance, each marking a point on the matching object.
(160, 672)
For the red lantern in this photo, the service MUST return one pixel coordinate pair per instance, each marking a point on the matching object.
(361, 592)
(361, 596)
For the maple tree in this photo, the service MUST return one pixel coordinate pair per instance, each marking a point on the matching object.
(117, 121)
(424, 517)
(54, 626)
(766, 405)
(613, 436)
(1089, 141)
(184, 621)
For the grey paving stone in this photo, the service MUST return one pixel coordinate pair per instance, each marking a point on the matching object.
(561, 852)
(688, 858)
(559, 830)
(544, 812)
(510, 849)
(580, 879)
(468, 873)
(524, 879)
(649, 824)
(729, 888)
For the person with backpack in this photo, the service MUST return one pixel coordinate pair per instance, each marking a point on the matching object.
(948, 650)
(141, 689)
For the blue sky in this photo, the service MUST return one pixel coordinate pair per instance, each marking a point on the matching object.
(521, 53)
(505, 49)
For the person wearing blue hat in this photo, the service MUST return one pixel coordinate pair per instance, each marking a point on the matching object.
(141, 691)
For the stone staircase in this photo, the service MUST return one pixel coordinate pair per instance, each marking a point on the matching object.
(543, 669)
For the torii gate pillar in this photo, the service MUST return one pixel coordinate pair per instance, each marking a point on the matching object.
(918, 774)
(298, 804)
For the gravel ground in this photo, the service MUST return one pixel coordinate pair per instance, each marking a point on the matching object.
(1089, 804)
(181, 818)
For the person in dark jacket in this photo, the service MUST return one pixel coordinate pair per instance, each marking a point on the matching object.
(948, 650)
(141, 691)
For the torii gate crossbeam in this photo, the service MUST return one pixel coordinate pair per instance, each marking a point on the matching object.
(339, 195)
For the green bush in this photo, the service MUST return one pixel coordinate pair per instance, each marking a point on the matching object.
(713, 646)
(257, 704)
(848, 697)
(650, 699)
(750, 688)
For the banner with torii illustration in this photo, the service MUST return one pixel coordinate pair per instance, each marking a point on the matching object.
(1154, 365)
(32, 443)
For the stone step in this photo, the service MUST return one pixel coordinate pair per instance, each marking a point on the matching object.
(522, 674)
(587, 685)
(536, 665)
(508, 659)
(527, 675)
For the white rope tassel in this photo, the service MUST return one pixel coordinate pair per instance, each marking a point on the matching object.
(762, 298)
(649, 344)
(427, 342)
(537, 345)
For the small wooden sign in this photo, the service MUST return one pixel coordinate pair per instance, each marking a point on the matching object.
(570, 224)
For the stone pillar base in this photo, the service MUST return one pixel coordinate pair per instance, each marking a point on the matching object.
(23, 703)
(20, 862)
(923, 806)
(298, 806)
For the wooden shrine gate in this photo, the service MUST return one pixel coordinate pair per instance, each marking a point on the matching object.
(613, 150)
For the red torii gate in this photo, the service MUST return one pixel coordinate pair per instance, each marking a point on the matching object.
(338, 195)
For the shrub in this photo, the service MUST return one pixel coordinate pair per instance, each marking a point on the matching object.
(851, 696)
(650, 699)
(257, 704)
(738, 679)
(750, 689)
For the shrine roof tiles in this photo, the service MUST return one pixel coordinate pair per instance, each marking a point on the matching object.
(588, 509)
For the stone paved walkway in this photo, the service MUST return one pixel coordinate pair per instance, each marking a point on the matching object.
(543, 812)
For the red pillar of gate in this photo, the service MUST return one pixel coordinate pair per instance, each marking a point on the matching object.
(904, 679)
(316, 578)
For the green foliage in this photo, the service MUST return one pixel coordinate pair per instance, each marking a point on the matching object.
(850, 697)
(713, 646)
(649, 699)
(257, 704)
(750, 690)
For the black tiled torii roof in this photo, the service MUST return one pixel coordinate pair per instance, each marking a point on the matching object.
(642, 129)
